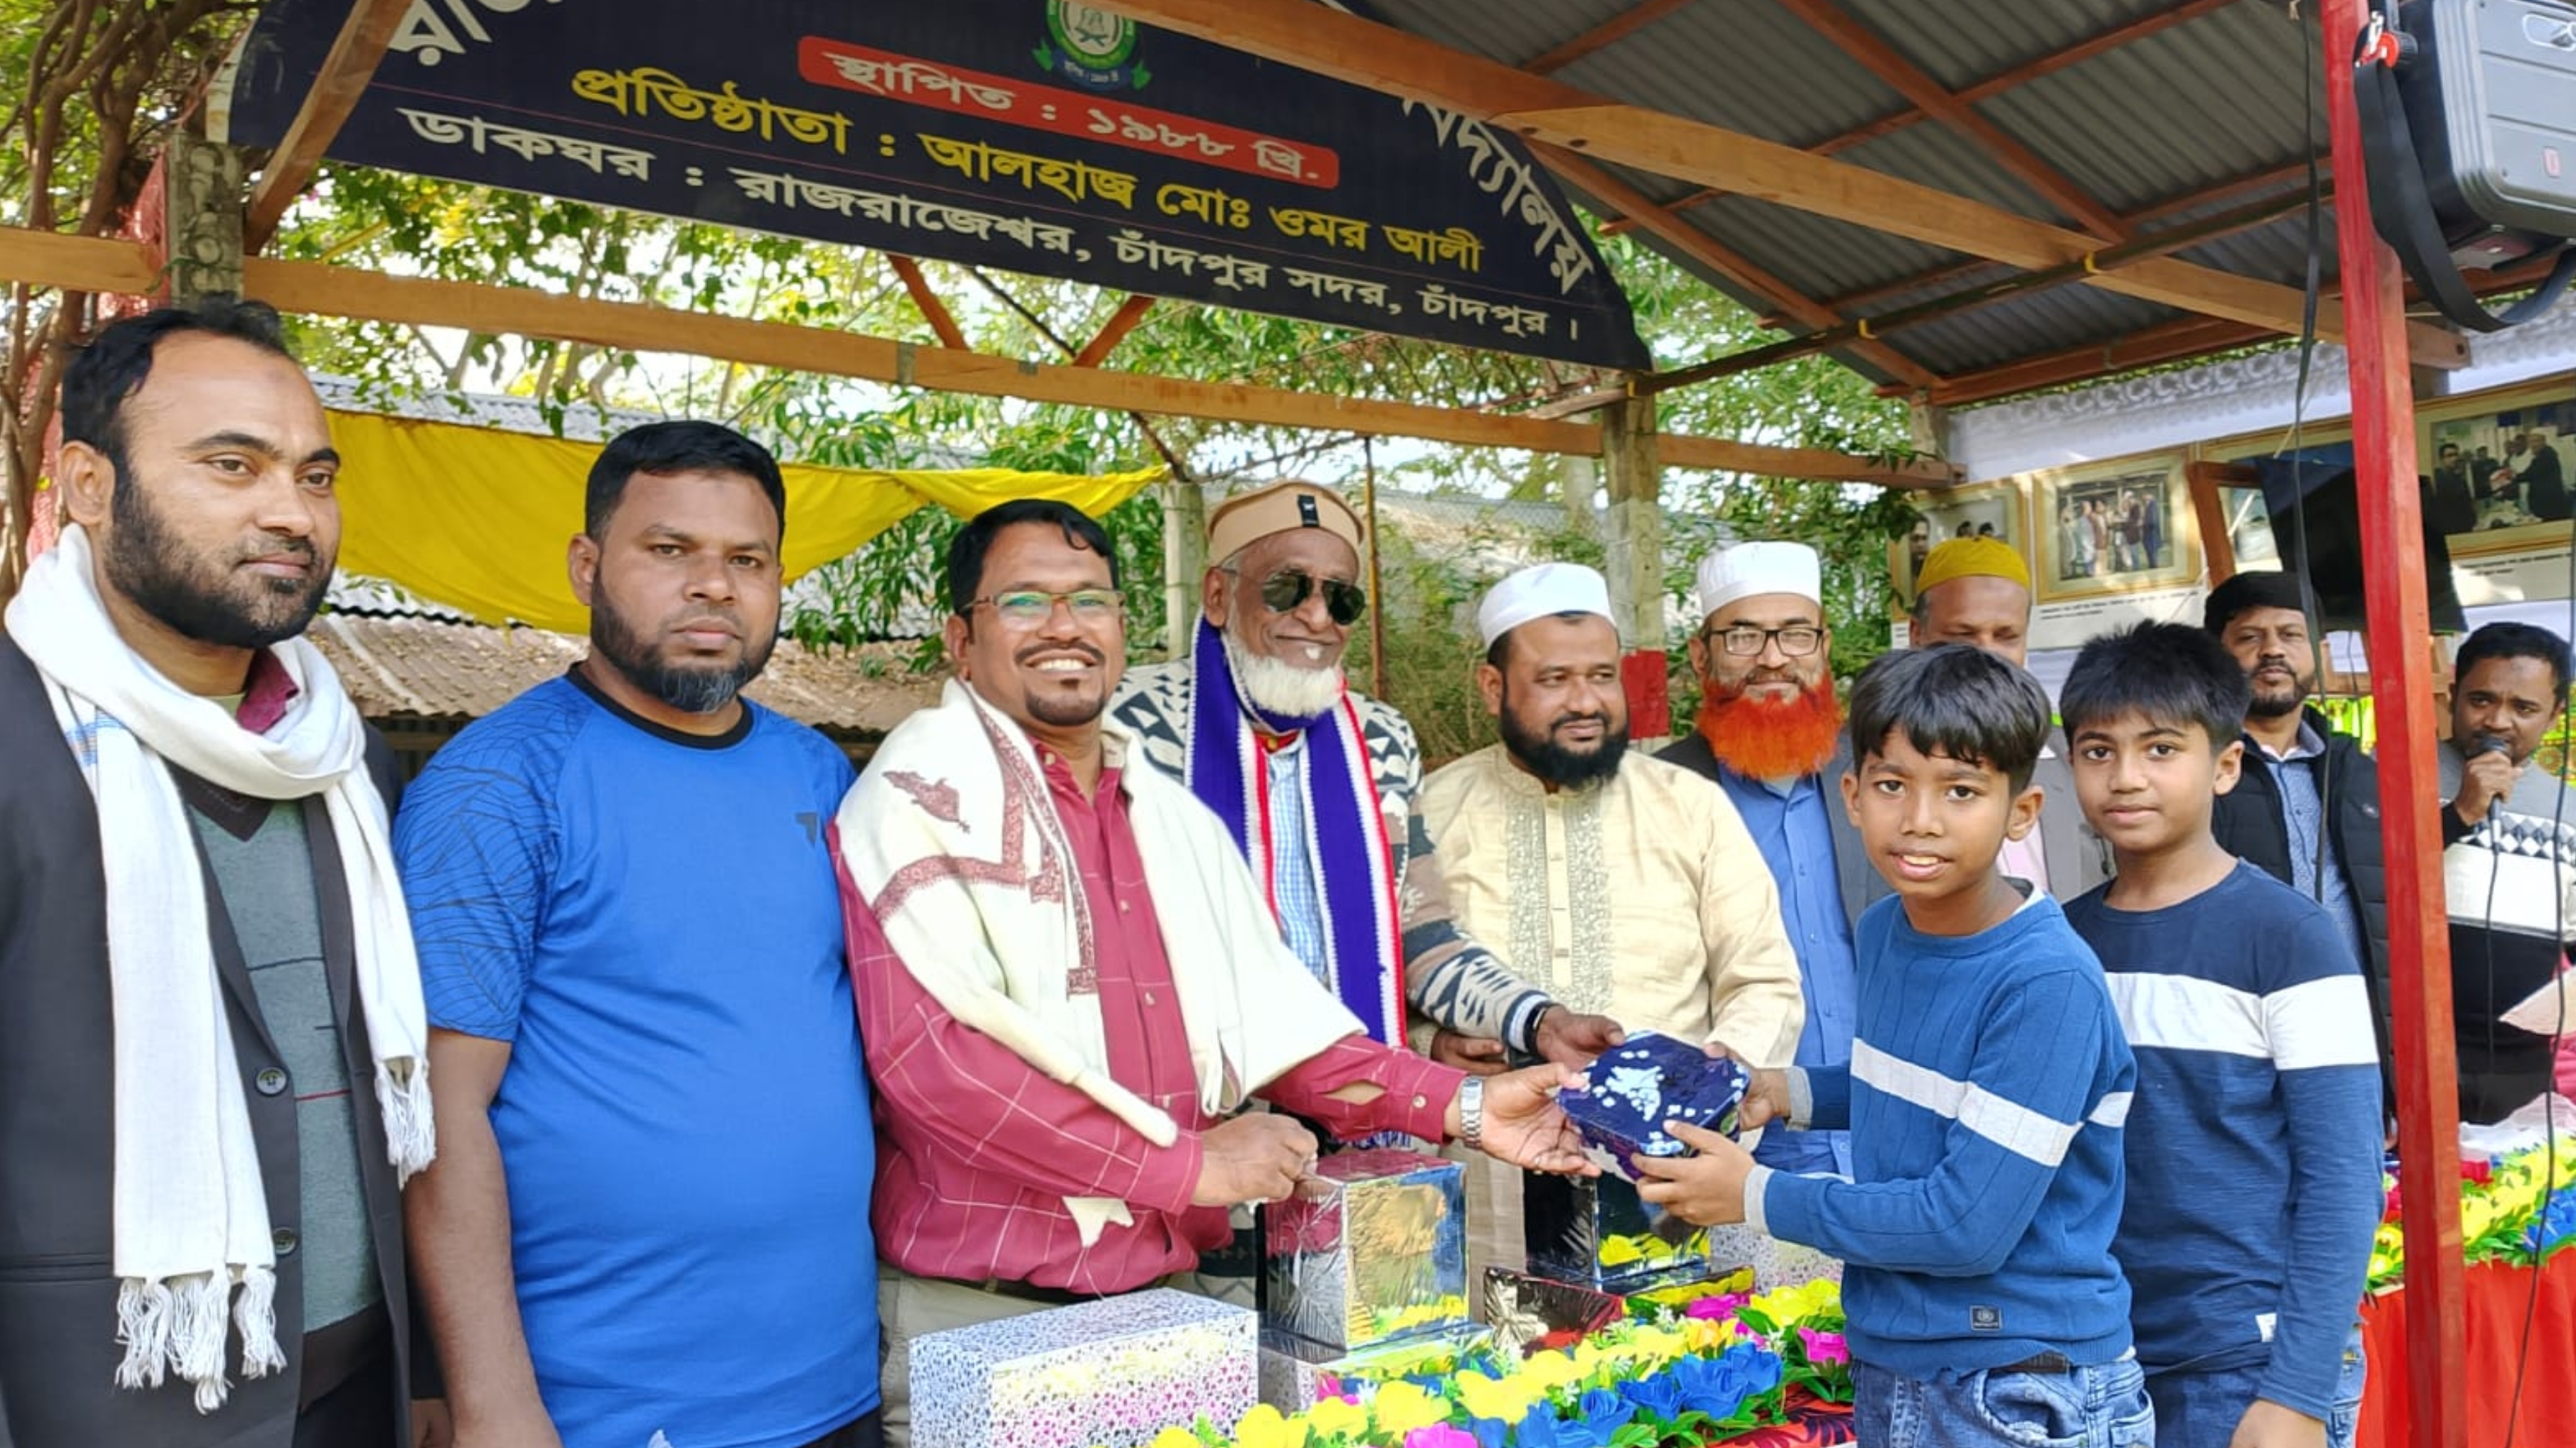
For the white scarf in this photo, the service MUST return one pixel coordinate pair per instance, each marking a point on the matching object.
(191, 1211)
(952, 840)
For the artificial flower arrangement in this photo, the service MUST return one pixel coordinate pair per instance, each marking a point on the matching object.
(1716, 1368)
(2509, 1212)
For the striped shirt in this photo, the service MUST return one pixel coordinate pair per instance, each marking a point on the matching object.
(1985, 1097)
(2255, 1140)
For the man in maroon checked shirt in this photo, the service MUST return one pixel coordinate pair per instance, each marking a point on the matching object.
(1068, 981)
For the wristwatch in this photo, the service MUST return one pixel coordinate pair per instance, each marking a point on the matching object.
(1471, 1112)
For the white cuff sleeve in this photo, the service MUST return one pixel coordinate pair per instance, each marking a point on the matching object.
(1754, 1215)
(1802, 1098)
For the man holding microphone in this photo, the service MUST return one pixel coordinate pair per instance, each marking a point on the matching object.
(2508, 860)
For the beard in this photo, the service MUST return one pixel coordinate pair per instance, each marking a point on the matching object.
(691, 688)
(1065, 711)
(1566, 768)
(1772, 738)
(205, 598)
(2274, 701)
(1279, 688)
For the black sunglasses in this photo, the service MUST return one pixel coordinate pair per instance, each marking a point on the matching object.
(1287, 591)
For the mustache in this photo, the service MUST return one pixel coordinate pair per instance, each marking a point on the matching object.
(1070, 647)
(723, 617)
(1597, 716)
(297, 548)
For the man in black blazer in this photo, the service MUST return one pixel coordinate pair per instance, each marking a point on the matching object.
(197, 475)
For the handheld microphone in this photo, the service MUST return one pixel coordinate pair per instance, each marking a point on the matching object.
(2490, 744)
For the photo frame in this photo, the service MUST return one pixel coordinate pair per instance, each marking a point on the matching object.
(2115, 527)
(2502, 468)
(2249, 529)
(1989, 510)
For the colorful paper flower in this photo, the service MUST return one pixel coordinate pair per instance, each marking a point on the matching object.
(1400, 1408)
(1337, 1417)
(1484, 1397)
(1712, 1307)
(1603, 1410)
(1656, 1396)
(1824, 1347)
(1440, 1435)
(1266, 1427)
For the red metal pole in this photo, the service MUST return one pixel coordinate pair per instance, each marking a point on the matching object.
(2419, 947)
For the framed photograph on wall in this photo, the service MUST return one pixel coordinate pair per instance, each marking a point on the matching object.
(2501, 466)
(2114, 527)
(1991, 510)
(2233, 468)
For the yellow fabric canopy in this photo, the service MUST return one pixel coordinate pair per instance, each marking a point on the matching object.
(477, 518)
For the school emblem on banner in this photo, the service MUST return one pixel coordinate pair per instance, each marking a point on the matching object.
(1091, 47)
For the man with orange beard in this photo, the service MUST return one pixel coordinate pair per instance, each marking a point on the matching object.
(1770, 734)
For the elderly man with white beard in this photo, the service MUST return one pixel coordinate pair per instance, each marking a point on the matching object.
(1318, 785)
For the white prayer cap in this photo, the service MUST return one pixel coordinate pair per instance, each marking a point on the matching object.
(1542, 590)
(1743, 570)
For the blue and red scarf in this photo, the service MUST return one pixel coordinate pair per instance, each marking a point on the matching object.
(1346, 841)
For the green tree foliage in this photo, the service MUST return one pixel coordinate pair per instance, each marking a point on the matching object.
(91, 87)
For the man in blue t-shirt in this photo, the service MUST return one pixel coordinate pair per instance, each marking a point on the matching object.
(648, 1224)
(2255, 1139)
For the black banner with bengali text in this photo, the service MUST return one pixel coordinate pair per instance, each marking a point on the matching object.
(1037, 136)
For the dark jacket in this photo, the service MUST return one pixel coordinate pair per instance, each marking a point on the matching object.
(2251, 823)
(58, 1349)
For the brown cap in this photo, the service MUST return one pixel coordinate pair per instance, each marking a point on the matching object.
(1239, 521)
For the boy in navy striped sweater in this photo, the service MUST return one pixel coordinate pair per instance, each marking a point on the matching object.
(1985, 1096)
(2254, 1145)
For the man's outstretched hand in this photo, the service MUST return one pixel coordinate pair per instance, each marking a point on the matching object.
(1525, 1126)
(1572, 1040)
(1475, 1055)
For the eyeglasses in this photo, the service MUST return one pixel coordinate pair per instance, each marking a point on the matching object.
(1796, 641)
(1034, 605)
(1286, 591)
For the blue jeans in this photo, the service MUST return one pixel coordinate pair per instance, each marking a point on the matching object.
(2095, 1407)
(2201, 1409)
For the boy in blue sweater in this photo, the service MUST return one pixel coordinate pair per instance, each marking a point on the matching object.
(1985, 1096)
(2254, 1146)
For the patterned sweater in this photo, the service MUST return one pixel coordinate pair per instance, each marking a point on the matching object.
(1449, 978)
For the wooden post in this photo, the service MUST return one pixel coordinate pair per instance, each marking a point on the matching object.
(206, 188)
(1376, 574)
(1633, 533)
(1184, 561)
(1576, 484)
(2419, 946)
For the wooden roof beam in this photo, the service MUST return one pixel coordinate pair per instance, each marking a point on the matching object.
(943, 323)
(1362, 52)
(1114, 331)
(2253, 184)
(354, 56)
(1609, 32)
(108, 264)
(1929, 96)
(2170, 342)
(1741, 270)
(2098, 43)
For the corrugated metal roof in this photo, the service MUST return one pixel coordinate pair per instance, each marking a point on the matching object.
(425, 669)
(2201, 102)
(1805, 91)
